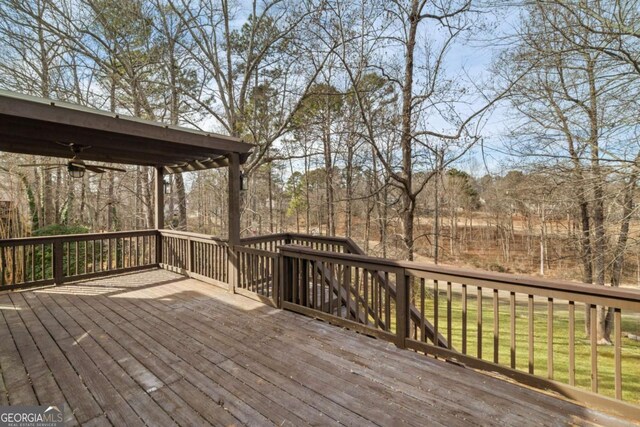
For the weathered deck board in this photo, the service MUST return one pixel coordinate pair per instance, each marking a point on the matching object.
(158, 349)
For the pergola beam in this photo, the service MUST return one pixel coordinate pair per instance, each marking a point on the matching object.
(39, 126)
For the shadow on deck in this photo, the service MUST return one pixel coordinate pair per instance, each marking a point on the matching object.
(156, 348)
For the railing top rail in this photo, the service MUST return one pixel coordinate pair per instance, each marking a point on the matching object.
(464, 275)
(292, 236)
(74, 237)
(187, 234)
(264, 238)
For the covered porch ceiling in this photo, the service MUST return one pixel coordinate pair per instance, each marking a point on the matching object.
(40, 126)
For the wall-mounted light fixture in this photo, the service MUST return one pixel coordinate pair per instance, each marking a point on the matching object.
(167, 185)
(243, 182)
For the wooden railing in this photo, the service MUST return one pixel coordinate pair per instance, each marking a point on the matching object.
(197, 255)
(258, 272)
(40, 261)
(343, 289)
(528, 329)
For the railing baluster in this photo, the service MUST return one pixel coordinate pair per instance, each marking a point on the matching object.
(496, 327)
(365, 282)
(3, 266)
(464, 319)
(314, 284)
(323, 291)
(375, 290)
(387, 307)
(512, 315)
(530, 304)
(33, 263)
(550, 338)
(479, 321)
(593, 333)
(423, 335)
(42, 261)
(436, 314)
(356, 281)
(572, 343)
(13, 265)
(24, 263)
(449, 320)
(617, 331)
(296, 280)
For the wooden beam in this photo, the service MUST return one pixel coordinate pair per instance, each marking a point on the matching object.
(234, 217)
(62, 114)
(159, 195)
(159, 211)
(234, 198)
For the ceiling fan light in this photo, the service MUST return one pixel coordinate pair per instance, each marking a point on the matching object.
(75, 171)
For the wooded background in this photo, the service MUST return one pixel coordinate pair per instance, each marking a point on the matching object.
(367, 119)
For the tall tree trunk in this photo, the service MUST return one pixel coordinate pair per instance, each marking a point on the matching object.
(406, 138)
(623, 236)
(349, 190)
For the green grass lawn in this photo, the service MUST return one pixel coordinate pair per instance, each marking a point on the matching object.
(630, 348)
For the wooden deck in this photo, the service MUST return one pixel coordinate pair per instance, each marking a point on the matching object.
(153, 348)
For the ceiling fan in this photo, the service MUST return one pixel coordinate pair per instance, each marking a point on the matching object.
(76, 167)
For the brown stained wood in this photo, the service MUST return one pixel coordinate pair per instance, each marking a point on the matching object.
(179, 410)
(479, 322)
(204, 354)
(40, 374)
(550, 338)
(617, 336)
(336, 344)
(464, 318)
(572, 343)
(32, 125)
(4, 395)
(531, 334)
(512, 329)
(594, 348)
(421, 284)
(496, 327)
(214, 413)
(131, 392)
(116, 408)
(15, 377)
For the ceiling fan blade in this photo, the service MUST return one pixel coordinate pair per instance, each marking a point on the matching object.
(110, 168)
(35, 165)
(77, 164)
(95, 169)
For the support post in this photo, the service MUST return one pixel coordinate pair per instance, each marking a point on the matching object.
(402, 309)
(234, 217)
(58, 276)
(159, 210)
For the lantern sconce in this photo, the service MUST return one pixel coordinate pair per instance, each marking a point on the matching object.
(243, 182)
(167, 185)
(75, 171)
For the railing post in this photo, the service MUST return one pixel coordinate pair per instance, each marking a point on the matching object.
(233, 273)
(190, 256)
(158, 248)
(277, 280)
(402, 308)
(58, 277)
(285, 279)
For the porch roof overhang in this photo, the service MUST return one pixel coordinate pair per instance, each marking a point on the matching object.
(40, 126)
